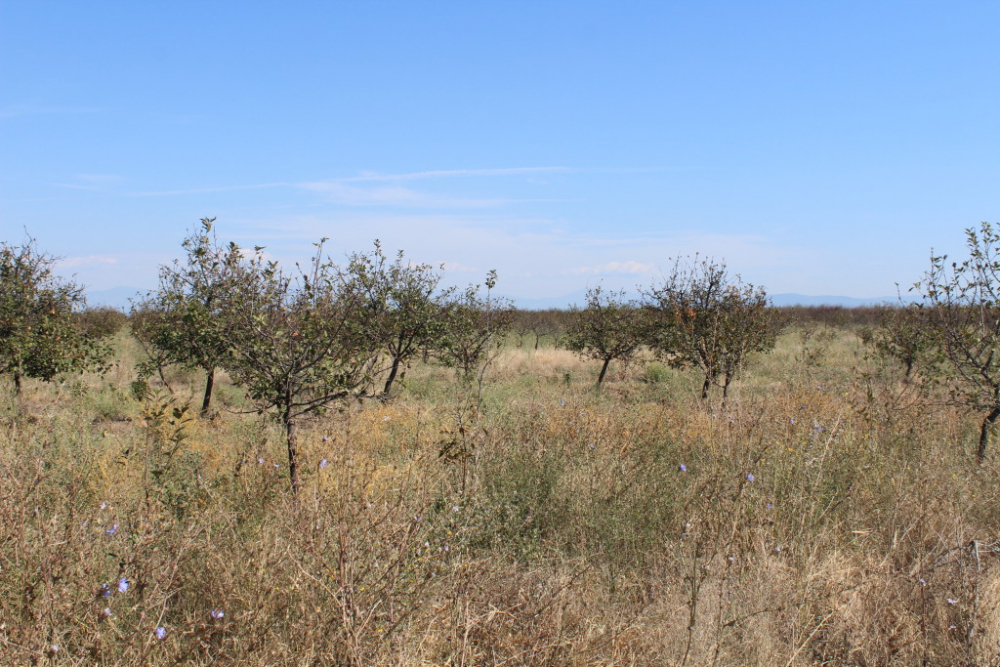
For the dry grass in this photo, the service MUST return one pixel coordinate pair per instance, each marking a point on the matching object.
(829, 514)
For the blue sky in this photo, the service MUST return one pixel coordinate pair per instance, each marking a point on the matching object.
(816, 147)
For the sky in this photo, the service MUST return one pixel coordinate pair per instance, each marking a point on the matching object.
(814, 147)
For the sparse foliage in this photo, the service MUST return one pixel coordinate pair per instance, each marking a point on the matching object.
(191, 306)
(961, 311)
(401, 308)
(539, 324)
(39, 335)
(475, 327)
(900, 334)
(705, 318)
(102, 322)
(298, 343)
(610, 327)
(145, 323)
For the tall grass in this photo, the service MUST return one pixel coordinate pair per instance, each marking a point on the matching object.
(829, 513)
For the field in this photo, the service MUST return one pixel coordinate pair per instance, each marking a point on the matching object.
(831, 512)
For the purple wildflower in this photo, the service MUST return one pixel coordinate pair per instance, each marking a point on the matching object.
(123, 585)
(160, 632)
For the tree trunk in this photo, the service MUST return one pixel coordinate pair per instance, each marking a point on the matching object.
(725, 387)
(392, 376)
(604, 370)
(705, 387)
(17, 383)
(537, 339)
(984, 433)
(293, 454)
(209, 385)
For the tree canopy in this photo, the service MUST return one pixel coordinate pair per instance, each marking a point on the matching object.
(39, 336)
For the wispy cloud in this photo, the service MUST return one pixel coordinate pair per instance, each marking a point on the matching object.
(389, 191)
(198, 191)
(444, 173)
(456, 267)
(88, 261)
(342, 192)
(630, 267)
(92, 182)
(374, 189)
(535, 256)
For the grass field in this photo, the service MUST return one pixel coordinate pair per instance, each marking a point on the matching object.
(830, 513)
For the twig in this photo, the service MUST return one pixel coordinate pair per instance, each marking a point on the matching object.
(808, 639)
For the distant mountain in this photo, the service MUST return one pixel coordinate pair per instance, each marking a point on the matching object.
(562, 302)
(116, 297)
(829, 300)
(578, 298)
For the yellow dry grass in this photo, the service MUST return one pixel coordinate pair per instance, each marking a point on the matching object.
(829, 513)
